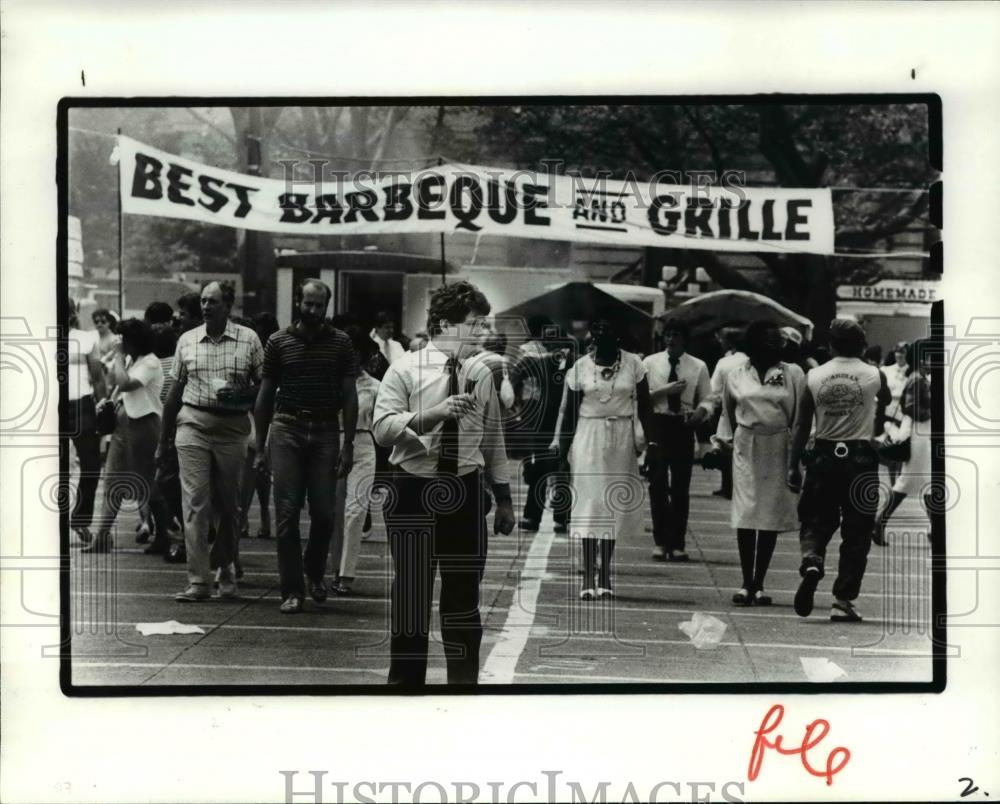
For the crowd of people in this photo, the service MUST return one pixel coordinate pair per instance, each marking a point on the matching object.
(202, 412)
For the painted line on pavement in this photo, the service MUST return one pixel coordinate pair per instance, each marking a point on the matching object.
(502, 661)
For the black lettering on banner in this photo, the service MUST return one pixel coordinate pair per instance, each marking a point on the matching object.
(146, 178)
(210, 188)
(580, 210)
(243, 194)
(697, 216)
(743, 218)
(661, 215)
(767, 212)
(430, 195)
(398, 206)
(598, 210)
(725, 230)
(293, 208)
(327, 207)
(364, 202)
(176, 185)
(795, 218)
(509, 210)
(533, 193)
(617, 212)
(466, 185)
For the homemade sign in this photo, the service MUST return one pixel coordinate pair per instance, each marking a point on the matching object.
(493, 201)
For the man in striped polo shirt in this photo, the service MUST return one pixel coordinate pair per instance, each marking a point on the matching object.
(308, 379)
(216, 374)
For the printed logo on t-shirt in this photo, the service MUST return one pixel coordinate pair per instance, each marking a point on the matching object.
(840, 395)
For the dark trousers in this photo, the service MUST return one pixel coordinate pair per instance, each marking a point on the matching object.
(168, 479)
(436, 524)
(538, 468)
(670, 467)
(839, 492)
(78, 423)
(303, 462)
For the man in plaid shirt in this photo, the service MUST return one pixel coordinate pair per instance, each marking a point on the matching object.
(216, 375)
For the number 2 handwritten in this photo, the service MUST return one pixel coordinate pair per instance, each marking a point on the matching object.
(814, 734)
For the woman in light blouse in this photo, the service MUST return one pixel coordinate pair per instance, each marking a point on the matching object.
(130, 470)
(760, 402)
(603, 391)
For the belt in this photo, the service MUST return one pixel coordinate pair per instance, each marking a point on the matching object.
(840, 449)
(609, 418)
(218, 411)
(315, 414)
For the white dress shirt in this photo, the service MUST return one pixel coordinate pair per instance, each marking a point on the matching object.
(418, 381)
(142, 401)
(697, 393)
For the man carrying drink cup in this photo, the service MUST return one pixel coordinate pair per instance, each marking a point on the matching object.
(216, 377)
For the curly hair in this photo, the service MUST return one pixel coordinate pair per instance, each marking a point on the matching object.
(453, 303)
(136, 335)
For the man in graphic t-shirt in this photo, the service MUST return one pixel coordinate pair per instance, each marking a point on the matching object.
(841, 482)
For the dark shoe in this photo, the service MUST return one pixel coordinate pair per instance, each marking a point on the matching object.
(761, 599)
(342, 588)
(588, 593)
(239, 569)
(318, 591)
(806, 590)
(843, 611)
(528, 525)
(157, 548)
(741, 598)
(142, 533)
(264, 533)
(291, 605)
(878, 534)
(678, 555)
(101, 544)
(605, 591)
(560, 527)
(177, 554)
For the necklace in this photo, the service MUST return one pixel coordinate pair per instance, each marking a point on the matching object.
(608, 373)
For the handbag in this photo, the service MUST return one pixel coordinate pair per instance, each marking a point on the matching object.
(893, 451)
(107, 413)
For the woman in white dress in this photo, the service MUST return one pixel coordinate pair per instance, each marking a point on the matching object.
(603, 391)
(761, 398)
(915, 408)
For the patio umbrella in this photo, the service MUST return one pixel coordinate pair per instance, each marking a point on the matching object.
(577, 301)
(706, 313)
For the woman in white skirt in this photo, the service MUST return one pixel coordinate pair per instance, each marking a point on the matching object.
(761, 397)
(915, 406)
(603, 392)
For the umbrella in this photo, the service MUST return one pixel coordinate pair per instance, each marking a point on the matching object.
(576, 301)
(706, 313)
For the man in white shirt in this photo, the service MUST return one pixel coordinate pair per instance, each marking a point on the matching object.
(841, 483)
(78, 420)
(385, 327)
(445, 445)
(681, 393)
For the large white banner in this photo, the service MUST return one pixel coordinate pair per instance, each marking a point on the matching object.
(493, 201)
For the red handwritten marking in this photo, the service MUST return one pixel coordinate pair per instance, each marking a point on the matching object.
(835, 760)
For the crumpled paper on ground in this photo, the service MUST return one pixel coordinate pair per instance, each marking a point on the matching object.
(704, 630)
(166, 628)
(821, 669)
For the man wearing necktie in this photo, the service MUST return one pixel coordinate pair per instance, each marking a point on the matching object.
(446, 446)
(680, 390)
